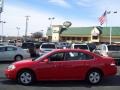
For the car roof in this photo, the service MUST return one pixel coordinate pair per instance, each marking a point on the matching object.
(67, 50)
(7, 46)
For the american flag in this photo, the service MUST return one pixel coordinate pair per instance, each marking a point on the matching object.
(102, 19)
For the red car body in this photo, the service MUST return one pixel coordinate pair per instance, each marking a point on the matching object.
(64, 69)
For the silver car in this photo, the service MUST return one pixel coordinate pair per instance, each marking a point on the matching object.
(12, 53)
(80, 46)
(109, 51)
(47, 47)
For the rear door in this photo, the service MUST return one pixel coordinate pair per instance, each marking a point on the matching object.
(76, 65)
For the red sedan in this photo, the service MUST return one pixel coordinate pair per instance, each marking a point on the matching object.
(63, 64)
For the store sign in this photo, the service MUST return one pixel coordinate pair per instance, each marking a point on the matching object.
(95, 32)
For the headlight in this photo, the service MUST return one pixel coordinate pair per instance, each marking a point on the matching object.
(11, 67)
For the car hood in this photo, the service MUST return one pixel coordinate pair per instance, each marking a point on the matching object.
(27, 62)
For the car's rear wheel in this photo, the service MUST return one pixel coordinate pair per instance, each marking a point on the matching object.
(25, 77)
(94, 77)
(18, 58)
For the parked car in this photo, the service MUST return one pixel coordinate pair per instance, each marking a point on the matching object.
(12, 53)
(62, 45)
(80, 46)
(108, 50)
(47, 47)
(11, 42)
(29, 47)
(63, 64)
(1, 44)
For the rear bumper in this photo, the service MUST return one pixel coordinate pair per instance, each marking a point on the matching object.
(111, 71)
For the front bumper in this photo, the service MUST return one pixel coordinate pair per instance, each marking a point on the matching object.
(10, 74)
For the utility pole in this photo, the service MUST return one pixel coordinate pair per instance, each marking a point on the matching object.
(1, 10)
(26, 28)
(1, 7)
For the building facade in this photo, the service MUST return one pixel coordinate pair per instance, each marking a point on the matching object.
(83, 34)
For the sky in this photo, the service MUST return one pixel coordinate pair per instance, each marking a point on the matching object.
(81, 13)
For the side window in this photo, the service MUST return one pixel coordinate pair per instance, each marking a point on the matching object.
(78, 56)
(104, 48)
(2, 49)
(57, 57)
(98, 47)
(11, 48)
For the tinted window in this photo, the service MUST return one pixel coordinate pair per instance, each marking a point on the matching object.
(48, 46)
(81, 46)
(2, 49)
(113, 48)
(78, 56)
(27, 45)
(57, 57)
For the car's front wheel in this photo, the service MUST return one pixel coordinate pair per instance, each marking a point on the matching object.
(25, 77)
(94, 77)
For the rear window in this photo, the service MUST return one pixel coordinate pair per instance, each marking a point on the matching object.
(81, 46)
(27, 45)
(48, 46)
(114, 48)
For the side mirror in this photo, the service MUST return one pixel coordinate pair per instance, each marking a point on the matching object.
(46, 60)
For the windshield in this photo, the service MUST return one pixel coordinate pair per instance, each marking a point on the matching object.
(41, 56)
(114, 48)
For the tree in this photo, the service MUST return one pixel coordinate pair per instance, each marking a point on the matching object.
(37, 35)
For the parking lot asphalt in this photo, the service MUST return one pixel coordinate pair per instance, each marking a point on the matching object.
(111, 83)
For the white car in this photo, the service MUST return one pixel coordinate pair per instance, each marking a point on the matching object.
(47, 47)
(12, 53)
(80, 46)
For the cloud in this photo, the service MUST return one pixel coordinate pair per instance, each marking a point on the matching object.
(84, 3)
(62, 3)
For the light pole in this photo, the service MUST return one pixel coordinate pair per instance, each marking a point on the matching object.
(51, 19)
(18, 28)
(26, 27)
(109, 12)
(2, 22)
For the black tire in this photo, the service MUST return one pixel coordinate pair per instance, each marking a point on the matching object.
(94, 77)
(18, 58)
(25, 77)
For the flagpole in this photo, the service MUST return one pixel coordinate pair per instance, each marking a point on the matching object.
(108, 12)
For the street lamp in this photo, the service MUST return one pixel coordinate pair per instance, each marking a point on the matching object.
(51, 19)
(26, 27)
(2, 22)
(18, 28)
